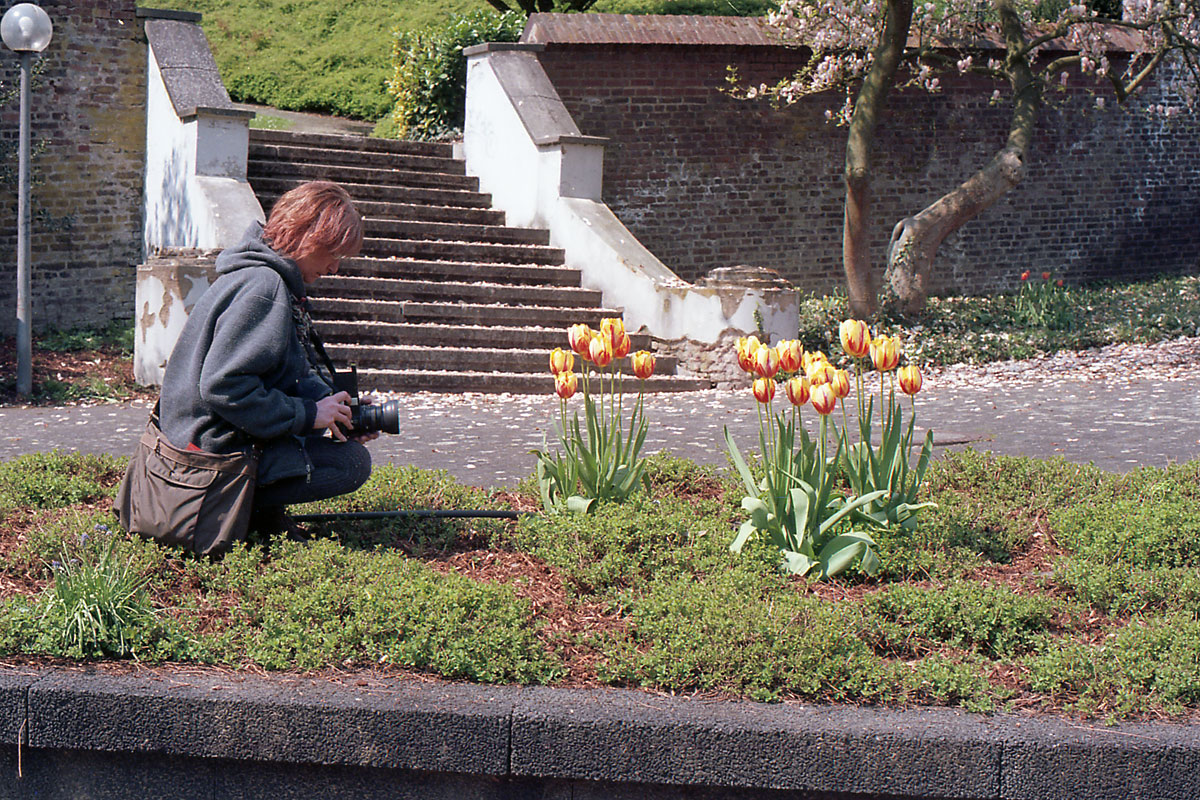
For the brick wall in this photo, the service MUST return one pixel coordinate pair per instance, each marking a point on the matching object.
(706, 181)
(89, 107)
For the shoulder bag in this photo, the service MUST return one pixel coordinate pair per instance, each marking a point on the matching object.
(192, 498)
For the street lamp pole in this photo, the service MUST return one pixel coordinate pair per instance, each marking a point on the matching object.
(24, 322)
(26, 30)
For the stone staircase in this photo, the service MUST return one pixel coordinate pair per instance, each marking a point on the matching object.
(444, 297)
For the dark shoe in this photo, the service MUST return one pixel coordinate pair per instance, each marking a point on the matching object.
(271, 522)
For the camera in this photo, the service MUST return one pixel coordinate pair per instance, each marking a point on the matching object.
(366, 417)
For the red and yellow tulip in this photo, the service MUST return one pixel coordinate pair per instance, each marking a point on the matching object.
(747, 347)
(643, 364)
(885, 352)
(823, 399)
(766, 361)
(856, 338)
(840, 383)
(565, 384)
(791, 354)
(622, 346)
(601, 351)
(580, 337)
(797, 390)
(909, 378)
(764, 389)
(561, 360)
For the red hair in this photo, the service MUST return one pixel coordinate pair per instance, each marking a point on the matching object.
(318, 215)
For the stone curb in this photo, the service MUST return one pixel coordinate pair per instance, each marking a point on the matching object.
(611, 736)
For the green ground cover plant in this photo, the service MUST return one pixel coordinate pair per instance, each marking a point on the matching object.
(953, 330)
(1033, 584)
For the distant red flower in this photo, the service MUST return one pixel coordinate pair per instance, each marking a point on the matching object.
(1058, 283)
(1045, 276)
(1025, 275)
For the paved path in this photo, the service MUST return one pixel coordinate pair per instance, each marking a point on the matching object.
(485, 440)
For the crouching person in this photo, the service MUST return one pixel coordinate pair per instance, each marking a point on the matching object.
(249, 420)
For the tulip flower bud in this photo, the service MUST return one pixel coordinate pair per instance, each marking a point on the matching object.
(565, 384)
(766, 361)
(643, 364)
(561, 360)
(580, 337)
(885, 353)
(764, 389)
(791, 354)
(822, 373)
(840, 383)
(1045, 276)
(823, 399)
(613, 328)
(747, 347)
(812, 361)
(797, 390)
(622, 346)
(856, 338)
(910, 379)
(601, 351)
(1025, 275)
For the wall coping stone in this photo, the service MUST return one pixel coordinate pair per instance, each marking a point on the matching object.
(713, 31)
(534, 98)
(209, 111)
(188, 69)
(168, 13)
(496, 47)
(612, 735)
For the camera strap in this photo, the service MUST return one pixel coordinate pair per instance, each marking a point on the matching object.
(314, 348)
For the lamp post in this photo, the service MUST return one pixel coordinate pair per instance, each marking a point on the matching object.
(26, 30)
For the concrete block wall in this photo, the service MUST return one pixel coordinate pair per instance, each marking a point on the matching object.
(706, 181)
(89, 106)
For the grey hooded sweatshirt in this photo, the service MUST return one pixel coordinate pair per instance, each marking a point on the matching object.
(238, 373)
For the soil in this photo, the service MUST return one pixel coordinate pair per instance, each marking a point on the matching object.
(81, 376)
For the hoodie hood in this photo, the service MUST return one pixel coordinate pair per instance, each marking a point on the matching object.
(252, 251)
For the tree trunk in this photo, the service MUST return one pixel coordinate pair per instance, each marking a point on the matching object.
(856, 256)
(915, 240)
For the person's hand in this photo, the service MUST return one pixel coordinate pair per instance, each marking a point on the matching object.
(363, 438)
(334, 411)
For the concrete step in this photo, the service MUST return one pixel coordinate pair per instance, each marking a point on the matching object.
(340, 173)
(453, 198)
(496, 382)
(375, 227)
(468, 359)
(440, 335)
(415, 212)
(464, 271)
(456, 313)
(345, 287)
(345, 142)
(304, 154)
(463, 251)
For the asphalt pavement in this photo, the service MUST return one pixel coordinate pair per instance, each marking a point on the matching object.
(484, 440)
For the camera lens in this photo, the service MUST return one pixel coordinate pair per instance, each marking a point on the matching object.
(380, 417)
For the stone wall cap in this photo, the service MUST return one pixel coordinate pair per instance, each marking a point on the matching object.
(215, 111)
(186, 64)
(572, 139)
(667, 29)
(168, 13)
(496, 47)
(607, 735)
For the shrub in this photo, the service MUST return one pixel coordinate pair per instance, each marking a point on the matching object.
(429, 81)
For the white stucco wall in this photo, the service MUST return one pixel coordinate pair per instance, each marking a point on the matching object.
(557, 185)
